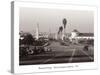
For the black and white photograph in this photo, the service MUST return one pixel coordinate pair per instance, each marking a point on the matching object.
(55, 36)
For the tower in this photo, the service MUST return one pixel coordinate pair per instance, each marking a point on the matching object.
(37, 32)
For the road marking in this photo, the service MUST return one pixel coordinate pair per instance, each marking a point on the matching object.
(70, 59)
(47, 60)
(53, 58)
(87, 54)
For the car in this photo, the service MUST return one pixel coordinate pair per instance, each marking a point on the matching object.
(86, 48)
(32, 50)
(39, 49)
(47, 49)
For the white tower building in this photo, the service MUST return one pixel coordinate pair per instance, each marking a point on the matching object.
(37, 32)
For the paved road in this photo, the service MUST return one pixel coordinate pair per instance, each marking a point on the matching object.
(60, 54)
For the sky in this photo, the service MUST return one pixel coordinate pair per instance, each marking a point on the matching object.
(50, 20)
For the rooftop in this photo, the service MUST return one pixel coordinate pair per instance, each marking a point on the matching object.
(85, 34)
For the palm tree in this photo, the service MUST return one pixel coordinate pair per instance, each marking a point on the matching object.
(64, 23)
(60, 31)
(60, 28)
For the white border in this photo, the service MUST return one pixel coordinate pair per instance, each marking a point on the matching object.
(50, 67)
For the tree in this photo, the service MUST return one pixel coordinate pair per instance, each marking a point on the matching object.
(60, 31)
(60, 28)
(28, 39)
(64, 22)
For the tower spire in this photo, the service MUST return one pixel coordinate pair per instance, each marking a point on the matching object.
(37, 31)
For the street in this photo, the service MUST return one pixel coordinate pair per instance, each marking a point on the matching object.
(60, 54)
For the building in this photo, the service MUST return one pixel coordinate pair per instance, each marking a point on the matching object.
(76, 36)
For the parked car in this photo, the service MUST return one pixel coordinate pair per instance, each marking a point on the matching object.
(86, 48)
(47, 49)
(41, 49)
(32, 50)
